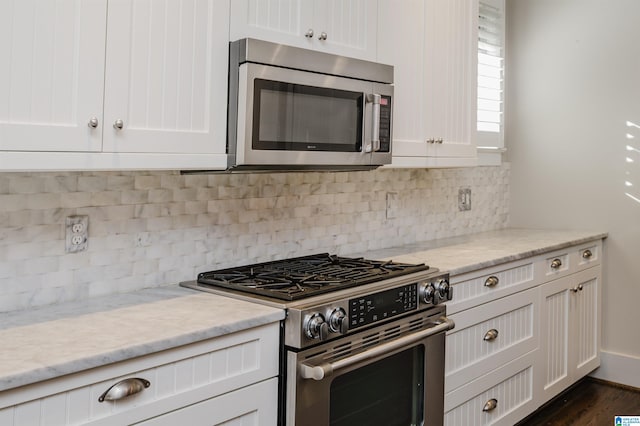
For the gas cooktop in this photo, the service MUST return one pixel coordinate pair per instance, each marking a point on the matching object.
(301, 277)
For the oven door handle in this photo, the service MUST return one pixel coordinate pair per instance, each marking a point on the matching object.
(319, 372)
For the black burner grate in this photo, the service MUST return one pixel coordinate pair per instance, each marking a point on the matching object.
(306, 276)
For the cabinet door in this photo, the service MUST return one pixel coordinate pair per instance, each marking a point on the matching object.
(278, 21)
(255, 405)
(51, 74)
(450, 74)
(433, 47)
(350, 27)
(586, 327)
(555, 328)
(166, 76)
(401, 33)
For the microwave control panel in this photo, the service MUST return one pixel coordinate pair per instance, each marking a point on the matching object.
(385, 123)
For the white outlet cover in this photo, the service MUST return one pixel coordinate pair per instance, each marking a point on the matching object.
(76, 233)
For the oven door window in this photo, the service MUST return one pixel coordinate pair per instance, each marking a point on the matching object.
(295, 117)
(389, 392)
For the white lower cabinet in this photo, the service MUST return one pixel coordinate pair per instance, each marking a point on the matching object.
(230, 380)
(525, 331)
(500, 398)
(570, 328)
(255, 405)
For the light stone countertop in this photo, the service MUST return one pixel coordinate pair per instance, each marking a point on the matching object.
(49, 342)
(468, 253)
(45, 343)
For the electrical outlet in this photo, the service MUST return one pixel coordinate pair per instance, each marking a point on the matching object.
(77, 233)
(464, 199)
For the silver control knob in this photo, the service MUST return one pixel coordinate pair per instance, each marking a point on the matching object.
(428, 293)
(316, 327)
(444, 289)
(338, 321)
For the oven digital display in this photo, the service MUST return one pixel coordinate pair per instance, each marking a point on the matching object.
(380, 306)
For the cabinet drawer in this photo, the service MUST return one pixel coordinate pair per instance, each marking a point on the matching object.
(489, 284)
(560, 263)
(502, 397)
(557, 264)
(489, 336)
(178, 377)
(587, 255)
(254, 405)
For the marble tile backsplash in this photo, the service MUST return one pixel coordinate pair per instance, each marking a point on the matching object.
(149, 229)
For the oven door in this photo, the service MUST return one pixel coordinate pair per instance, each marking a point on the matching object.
(392, 375)
(297, 118)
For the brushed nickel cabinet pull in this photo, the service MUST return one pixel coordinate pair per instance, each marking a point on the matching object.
(118, 124)
(577, 289)
(490, 335)
(492, 281)
(490, 405)
(587, 254)
(556, 263)
(124, 388)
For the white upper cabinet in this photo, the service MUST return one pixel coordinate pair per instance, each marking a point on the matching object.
(343, 27)
(51, 74)
(433, 47)
(166, 76)
(113, 84)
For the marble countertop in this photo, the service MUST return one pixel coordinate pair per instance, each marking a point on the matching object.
(45, 343)
(49, 342)
(467, 253)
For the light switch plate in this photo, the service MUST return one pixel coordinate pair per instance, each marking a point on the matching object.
(464, 199)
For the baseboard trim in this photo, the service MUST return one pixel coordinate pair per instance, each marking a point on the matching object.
(618, 368)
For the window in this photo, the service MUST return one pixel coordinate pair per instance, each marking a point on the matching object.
(490, 81)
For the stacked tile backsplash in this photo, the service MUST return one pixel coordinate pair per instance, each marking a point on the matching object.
(149, 229)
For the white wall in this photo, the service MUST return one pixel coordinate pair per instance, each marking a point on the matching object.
(573, 83)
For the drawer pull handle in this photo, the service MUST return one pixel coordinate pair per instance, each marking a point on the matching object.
(491, 335)
(124, 388)
(587, 254)
(490, 405)
(492, 281)
(556, 263)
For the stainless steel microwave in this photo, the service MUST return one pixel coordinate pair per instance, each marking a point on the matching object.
(298, 109)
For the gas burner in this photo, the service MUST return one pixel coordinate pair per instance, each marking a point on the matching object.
(297, 278)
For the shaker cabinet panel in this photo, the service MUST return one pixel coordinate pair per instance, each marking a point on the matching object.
(51, 74)
(165, 87)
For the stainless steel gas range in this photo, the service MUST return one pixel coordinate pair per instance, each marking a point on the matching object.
(363, 340)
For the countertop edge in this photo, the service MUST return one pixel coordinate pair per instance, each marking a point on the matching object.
(524, 254)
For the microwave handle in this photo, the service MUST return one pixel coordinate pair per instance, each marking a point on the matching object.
(319, 372)
(374, 100)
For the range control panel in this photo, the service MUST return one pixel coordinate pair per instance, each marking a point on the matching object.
(367, 309)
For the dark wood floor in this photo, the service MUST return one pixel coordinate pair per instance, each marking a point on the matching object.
(588, 403)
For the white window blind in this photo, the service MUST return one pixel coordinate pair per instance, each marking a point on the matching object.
(490, 77)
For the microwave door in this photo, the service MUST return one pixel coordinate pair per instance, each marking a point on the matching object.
(290, 117)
